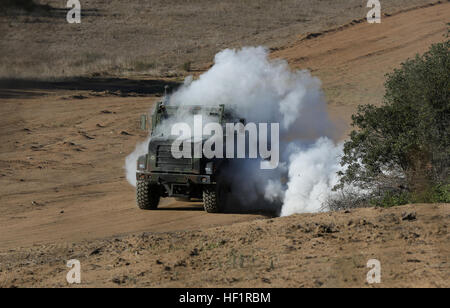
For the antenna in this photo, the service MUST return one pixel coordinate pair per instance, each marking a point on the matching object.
(165, 99)
(165, 90)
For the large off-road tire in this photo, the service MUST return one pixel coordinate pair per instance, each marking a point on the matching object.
(212, 199)
(147, 195)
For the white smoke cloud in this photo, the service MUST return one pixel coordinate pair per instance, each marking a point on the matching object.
(268, 91)
(312, 174)
(131, 161)
(260, 89)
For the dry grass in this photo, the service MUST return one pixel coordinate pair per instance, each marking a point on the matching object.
(158, 37)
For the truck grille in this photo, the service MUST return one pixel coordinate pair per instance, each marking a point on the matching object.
(164, 159)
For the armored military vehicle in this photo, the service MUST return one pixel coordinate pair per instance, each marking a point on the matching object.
(161, 175)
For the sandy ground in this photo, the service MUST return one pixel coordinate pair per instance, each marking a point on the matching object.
(62, 172)
(63, 189)
(312, 250)
(352, 60)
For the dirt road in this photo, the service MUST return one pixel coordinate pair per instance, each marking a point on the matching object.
(353, 60)
(62, 174)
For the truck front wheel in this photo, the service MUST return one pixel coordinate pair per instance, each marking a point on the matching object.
(212, 199)
(147, 195)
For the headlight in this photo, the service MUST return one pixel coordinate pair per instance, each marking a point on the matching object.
(142, 162)
(209, 168)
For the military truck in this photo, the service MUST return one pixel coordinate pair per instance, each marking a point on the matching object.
(160, 175)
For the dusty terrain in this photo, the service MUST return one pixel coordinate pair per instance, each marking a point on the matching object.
(62, 172)
(63, 193)
(312, 250)
(352, 60)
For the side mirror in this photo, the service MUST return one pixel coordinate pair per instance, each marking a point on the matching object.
(144, 121)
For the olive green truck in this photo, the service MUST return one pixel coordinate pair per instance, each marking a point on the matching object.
(160, 175)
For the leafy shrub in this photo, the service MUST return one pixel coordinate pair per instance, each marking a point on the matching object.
(392, 198)
(404, 145)
(435, 194)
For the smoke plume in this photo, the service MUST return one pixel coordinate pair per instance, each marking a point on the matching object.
(262, 90)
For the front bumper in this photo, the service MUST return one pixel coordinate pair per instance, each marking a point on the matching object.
(174, 178)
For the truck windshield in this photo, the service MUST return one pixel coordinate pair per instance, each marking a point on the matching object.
(164, 118)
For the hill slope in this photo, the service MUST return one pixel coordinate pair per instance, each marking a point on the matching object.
(314, 250)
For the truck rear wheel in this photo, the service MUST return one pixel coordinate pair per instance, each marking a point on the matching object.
(147, 195)
(211, 199)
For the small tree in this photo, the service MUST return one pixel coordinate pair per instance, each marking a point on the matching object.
(405, 143)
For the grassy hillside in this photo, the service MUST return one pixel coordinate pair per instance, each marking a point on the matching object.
(159, 37)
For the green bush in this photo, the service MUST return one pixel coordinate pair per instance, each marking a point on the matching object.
(392, 198)
(402, 148)
(435, 194)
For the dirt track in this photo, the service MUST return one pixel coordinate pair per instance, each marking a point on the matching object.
(63, 145)
(352, 61)
(63, 178)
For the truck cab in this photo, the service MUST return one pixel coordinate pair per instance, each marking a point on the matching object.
(160, 174)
